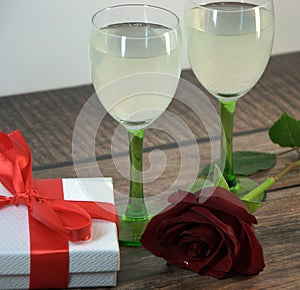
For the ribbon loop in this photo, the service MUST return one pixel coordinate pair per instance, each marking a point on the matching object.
(70, 219)
(4, 200)
(53, 221)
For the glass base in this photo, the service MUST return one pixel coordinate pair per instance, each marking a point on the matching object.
(244, 185)
(131, 230)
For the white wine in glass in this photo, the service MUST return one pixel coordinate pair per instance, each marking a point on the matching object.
(135, 60)
(229, 45)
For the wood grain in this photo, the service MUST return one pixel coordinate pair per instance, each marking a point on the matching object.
(47, 120)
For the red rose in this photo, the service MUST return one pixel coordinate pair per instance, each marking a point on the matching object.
(214, 237)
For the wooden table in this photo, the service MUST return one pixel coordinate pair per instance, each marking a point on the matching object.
(47, 121)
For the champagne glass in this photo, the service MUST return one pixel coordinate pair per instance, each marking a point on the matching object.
(135, 59)
(229, 45)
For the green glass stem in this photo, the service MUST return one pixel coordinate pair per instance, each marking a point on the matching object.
(227, 110)
(136, 207)
(136, 216)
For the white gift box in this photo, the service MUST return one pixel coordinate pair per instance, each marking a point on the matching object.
(92, 263)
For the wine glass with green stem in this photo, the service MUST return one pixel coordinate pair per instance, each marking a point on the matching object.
(229, 45)
(135, 60)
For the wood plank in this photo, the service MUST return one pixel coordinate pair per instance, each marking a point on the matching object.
(47, 119)
(168, 161)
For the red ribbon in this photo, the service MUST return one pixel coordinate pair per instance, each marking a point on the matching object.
(53, 221)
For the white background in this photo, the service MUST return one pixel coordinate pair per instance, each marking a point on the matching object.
(43, 43)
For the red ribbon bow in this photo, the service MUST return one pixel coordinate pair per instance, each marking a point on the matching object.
(71, 219)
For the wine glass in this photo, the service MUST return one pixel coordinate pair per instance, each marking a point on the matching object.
(229, 45)
(135, 60)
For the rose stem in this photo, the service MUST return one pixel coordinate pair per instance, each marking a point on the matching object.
(269, 182)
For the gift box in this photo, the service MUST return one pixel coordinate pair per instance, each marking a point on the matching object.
(47, 236)
(90, 263)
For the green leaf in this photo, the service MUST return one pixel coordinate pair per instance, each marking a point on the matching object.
(252, 206)
(247, 162)
(219, 179)
(206, 170)
(286, 132)
(199, 184)
(252, 203)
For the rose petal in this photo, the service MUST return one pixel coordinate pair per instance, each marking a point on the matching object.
(220, 261)
(204, 233)
(228, 235)
(172, 230)
(196, 248)
(223, 260)
(231, 221)
(227, 202)
(168, 245)
(201, 215)
(251, 259)
(226, 228)
(211, 238)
